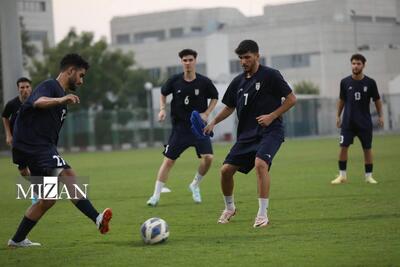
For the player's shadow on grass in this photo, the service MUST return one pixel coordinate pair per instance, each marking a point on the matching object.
(128, 243)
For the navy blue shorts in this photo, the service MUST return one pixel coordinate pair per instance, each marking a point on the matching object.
(244, 154)
(41, 163)
(182, 138)
(347, 137)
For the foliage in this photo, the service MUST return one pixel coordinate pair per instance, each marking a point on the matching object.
(113, 80)
(306, 88)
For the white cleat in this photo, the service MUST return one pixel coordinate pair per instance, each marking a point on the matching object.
(195, 193)
(165, 190)
(23, 244)
(226, 216)
(339, 180)
(261, 221)
(370, 180)
(153, 201)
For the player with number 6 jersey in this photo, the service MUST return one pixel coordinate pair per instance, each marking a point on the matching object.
(356, 92)
(190, 91)
(35, 144)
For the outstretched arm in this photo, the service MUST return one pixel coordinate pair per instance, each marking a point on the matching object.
(222, 115)
(48, 102)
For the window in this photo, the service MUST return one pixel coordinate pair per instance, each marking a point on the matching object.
(154, 73)
(142, 37)
(176, 32)
(359, 18)
(37, 36)
(32, 6)
(123, 39)
(196, 29)
(172, 70)
(390, 20)
(291, 61)
(235, 67)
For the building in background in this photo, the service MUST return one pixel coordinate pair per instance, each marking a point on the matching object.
(307, 41)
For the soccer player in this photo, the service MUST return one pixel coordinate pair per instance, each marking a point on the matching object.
(35, 139)
(257, 95)
(356, 92)
(190, 91)
(10, 114)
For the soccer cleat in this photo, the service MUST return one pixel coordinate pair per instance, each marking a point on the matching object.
(261, 221)
(370, 180)
(153, 201)
(103, 220)
(195, 193)
(23, 244)
(339, 180)
(165, 190)
(226, 216)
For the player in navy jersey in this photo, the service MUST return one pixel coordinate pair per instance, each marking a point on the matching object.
(35, 140)
(257, 95)
(10, 114)
(356, 92)
(190, 91)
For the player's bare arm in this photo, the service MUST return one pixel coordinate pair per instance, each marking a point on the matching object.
(378, 106)
(162, 114)
(267, 119)
(6, 123)
(48, 102)
(211, 106)
(340, 106)
(222, 115)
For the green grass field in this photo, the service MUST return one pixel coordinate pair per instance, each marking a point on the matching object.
(312, 222)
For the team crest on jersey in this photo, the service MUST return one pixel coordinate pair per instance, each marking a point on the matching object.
(196, 91)
(258, 86)
(365, 89)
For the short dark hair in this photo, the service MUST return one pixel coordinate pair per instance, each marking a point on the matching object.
(187, 52)
(246, 46)
(23, 80)
(74, 60)
(358, 57)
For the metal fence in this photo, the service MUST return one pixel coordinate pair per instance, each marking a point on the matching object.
(125, 129)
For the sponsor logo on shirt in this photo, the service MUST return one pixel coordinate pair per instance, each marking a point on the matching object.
(350, 88)
(240, 90)
(178, 92)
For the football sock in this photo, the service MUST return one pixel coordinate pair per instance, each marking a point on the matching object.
(157, 188)
(87, 208)
(229, 203)
(25, 226)
(342, 168)
(197, 179)
(262, 207)
(368, 170)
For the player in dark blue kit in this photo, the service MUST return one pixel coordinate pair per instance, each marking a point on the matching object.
(35, 140)
(356, 92)
(190, 91)
(257, 97)
(10, 112)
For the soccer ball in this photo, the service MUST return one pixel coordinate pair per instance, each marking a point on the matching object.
(154, 231)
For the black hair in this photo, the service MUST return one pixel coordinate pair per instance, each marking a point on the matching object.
(246, 46)
(358, 57)
(23, 80)
(187, 52)
(74, 60)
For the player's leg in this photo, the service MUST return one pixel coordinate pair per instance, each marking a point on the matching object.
(366, 143)
(346, 139)
(26, 174)
(162, 177)
(227, 185)
(68, 177)
(205, 153)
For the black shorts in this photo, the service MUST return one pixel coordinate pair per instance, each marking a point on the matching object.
(244, 154)
(182, 138)
(41, 163)
(347, 137)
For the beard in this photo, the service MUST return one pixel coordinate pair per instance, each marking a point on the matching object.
(72, 85)
(356, 72)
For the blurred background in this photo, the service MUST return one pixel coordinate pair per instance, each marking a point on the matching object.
(132, 48)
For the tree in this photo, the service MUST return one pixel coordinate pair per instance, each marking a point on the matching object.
(111, 82)
(306, 88)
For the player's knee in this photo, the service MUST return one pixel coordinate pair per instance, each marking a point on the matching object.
(46, 204)
(208, 158)
(260, 165)
(226, 171)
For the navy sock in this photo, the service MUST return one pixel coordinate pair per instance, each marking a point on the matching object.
(25, 226)
(368, 168)
(87, 208)
(342, 165)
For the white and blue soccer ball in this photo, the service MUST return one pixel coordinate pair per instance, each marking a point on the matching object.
(154, 231)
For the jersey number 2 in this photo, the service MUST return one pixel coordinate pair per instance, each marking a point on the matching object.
(60, 160)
